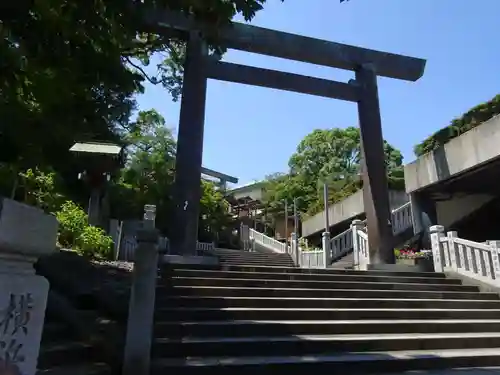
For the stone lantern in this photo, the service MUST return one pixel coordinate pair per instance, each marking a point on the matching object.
(99, 161)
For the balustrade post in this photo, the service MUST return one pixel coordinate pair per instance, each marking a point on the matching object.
(327, 249)
(436, 234)
(356, 248)
(452, 248)
(495, 260)
(139, 334)
(295, 249)
(245, 237)
(26, 233)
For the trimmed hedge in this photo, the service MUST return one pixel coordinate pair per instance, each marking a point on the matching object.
(472, 118)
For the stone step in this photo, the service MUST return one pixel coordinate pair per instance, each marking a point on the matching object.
(54, 331)
(263, 258)
(255, 255)
(234, 251)
(351, 363)
(65, 353)
(271, 269)
(263, 261)
(318, 284)
(260, 328)
(256, 259)
(297, 345)
(355, 303)
(268, 291)
(256, 262)
(309, 276)
(87, 369)
(233, 313)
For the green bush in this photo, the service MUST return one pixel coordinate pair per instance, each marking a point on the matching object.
(469, 120)
(41, 189)
(93, 242)
(75, 233)
(72, 222)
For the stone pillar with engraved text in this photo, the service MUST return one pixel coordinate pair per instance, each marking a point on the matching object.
(26, 233)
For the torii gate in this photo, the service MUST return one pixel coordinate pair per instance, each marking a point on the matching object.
(199, 67)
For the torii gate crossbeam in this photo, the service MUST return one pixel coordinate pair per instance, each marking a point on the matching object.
(199, 67)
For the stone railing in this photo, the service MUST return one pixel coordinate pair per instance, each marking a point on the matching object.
(311, 259)
(129, 246)
(360, 245)
(342, 243)
(267, 242)
(401, 218)
(26, 233)
(476, 260)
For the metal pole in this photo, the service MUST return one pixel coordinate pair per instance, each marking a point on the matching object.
(325, 200)
(295, 228)
(286, 222)
(295, 217)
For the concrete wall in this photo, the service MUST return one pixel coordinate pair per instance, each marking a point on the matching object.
(451, 211)
(254, 191)
(477, 146)
(347, 209)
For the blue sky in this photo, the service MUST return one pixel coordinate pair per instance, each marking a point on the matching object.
(251, 132)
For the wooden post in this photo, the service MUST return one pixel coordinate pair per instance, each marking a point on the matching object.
(375, 185)
(187, 186)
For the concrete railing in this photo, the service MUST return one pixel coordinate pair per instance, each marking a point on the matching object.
(311, 259)
(129, 246)
(475, 260)
(342, 243)
(361, 249)
(267, 242)
(401, 218)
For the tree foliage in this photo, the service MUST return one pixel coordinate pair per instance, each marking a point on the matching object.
(460, 125)
(70, 70)
(330, 156)
(148, 177)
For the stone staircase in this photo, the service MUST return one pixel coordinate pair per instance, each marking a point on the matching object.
(237, 257)
(248, 319)
(61, 353)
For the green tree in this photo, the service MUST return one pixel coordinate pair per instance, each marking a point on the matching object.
(149, 172)
(70, 71)
(214, 216)
(330, 156)
(148, 178)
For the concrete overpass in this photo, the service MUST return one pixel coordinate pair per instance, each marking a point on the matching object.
(450, 186)
(342, 213)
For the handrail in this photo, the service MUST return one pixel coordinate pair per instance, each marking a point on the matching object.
(267, 241)
(476, 260)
